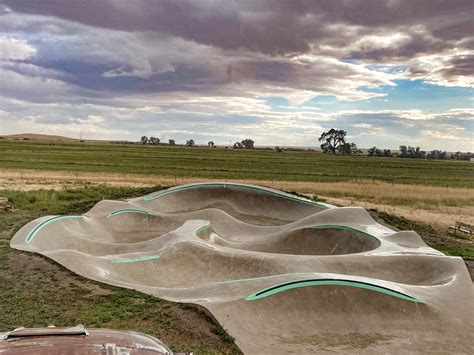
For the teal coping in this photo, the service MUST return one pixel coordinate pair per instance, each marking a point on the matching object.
(272, 290)
(133, 260)
(34, 232)
(128, 210)
(203, 228)
(236, 186)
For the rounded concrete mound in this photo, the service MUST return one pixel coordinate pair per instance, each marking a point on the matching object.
(280, 272)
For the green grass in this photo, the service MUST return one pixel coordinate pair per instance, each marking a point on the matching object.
(74, 200)
(432, 237)
(219, 330)
(35, 291)
(228, 163)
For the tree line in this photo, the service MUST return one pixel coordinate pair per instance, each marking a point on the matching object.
(334, 142)
(243, 144)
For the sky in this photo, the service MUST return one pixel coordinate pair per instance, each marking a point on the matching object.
(280, 72)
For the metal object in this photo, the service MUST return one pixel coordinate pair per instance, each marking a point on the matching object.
(79, 340)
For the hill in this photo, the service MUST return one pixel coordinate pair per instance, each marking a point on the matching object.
(36, 136)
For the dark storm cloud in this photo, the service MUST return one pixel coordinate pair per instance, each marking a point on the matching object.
(135, 45)
(277, 27)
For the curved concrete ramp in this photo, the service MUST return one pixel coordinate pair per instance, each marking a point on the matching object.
(279, 272)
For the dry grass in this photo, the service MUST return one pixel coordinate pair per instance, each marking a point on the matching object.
(436, 206)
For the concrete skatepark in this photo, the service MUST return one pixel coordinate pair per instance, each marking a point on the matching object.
(280, 273)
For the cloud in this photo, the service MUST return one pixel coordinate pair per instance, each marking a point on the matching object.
(14, 49)
(183, 67)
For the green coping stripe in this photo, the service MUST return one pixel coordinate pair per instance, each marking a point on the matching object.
(321, 282)
(134, 260)
(34, 232)
(203, 228)
(363, 234)
(128, 210)
(296, 199)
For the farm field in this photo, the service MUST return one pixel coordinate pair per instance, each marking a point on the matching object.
(220, 163)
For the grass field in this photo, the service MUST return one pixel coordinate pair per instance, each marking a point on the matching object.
(229, 163)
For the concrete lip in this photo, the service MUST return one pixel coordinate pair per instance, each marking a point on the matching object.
(281, 273)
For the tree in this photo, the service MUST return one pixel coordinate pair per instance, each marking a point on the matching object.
(462, 156)
(190, 143)
(411, 152)
(416, 152)
(387, 153)
(349, 148)
(211, 144)
(371, 151)
(403, 151)
(154, 140)
(172, 142)
(333, 141)
(238, 145)
(144, 140)
(248, 143)
(437, 154)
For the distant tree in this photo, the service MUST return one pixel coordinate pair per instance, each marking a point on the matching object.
(403, 151)
(334, 141)
(248, 143)
(238, 145)
(144, 140)
(411, 152)
(154, 140)
(278, 149)
(387, 153)
(349, 148)
(171, 142)
(416, 152)
(437, 154)
(371, 151)
(211, 144)
(190, 143)
(462, 156)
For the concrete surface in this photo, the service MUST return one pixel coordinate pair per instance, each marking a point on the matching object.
(281, 273)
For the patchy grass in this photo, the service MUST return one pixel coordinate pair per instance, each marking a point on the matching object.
(432, 237)
(35, 291)
(219, 330)
(70, 200)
